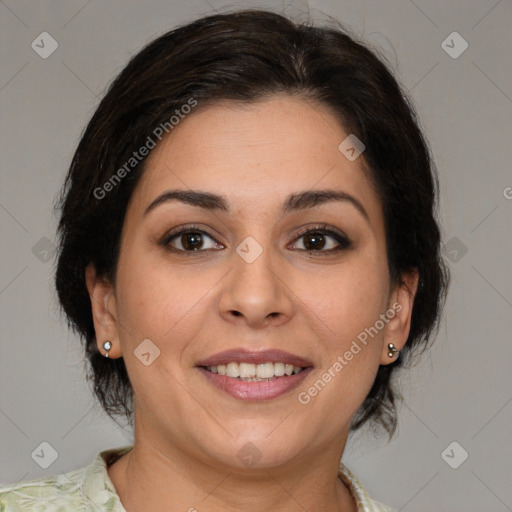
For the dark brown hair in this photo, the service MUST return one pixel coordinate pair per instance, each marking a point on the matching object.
(246, 56)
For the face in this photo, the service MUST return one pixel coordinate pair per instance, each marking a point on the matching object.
(268, 264)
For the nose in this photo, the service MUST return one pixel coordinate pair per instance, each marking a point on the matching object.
(256, 293)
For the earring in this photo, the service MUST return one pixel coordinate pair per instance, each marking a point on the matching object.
(392, 350)
(107, 346)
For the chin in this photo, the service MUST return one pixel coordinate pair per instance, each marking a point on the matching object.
(257, 452)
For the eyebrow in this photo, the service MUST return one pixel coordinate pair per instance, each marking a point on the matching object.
(294, 202)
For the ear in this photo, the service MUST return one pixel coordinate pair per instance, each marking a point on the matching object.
(399, 314)
(103, 304)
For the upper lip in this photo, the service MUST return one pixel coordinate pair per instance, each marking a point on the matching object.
(241, 355)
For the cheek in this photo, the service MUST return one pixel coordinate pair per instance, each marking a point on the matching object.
(168, 307)
(156, 297)
(347, 299)
(349, 302)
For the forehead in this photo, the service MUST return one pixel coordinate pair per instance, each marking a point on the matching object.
(256, 154)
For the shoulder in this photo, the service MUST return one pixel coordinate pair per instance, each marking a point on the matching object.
(48, 494)
(361, 497)
(81, 490)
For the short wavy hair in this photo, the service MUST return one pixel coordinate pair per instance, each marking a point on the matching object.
(246, 56)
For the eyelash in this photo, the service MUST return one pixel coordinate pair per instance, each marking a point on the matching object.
(343, 241)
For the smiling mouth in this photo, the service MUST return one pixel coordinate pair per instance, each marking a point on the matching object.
(251, 372)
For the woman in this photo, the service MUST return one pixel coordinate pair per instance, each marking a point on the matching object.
(249, 250)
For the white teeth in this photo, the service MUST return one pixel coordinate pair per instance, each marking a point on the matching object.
(247, 369)
(254, 372)
(265, 371)
(233, 370)
(278, 369)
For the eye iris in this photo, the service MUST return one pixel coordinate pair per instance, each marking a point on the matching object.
(191, 241)
(314, 241)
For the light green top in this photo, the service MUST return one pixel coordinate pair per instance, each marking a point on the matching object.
(90, 489)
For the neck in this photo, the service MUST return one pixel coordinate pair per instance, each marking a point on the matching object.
(149, 478)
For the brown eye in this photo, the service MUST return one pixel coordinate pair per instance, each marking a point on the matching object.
(314, 241)
(322, 241)
(190, 240)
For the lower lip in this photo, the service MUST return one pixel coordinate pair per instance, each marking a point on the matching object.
(255, 391)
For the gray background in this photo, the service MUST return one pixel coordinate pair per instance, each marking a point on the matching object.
(461, 391)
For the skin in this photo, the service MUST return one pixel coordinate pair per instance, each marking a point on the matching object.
(187, 432)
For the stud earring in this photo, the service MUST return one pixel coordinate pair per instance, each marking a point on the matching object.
(107, 346)
(392, 350)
